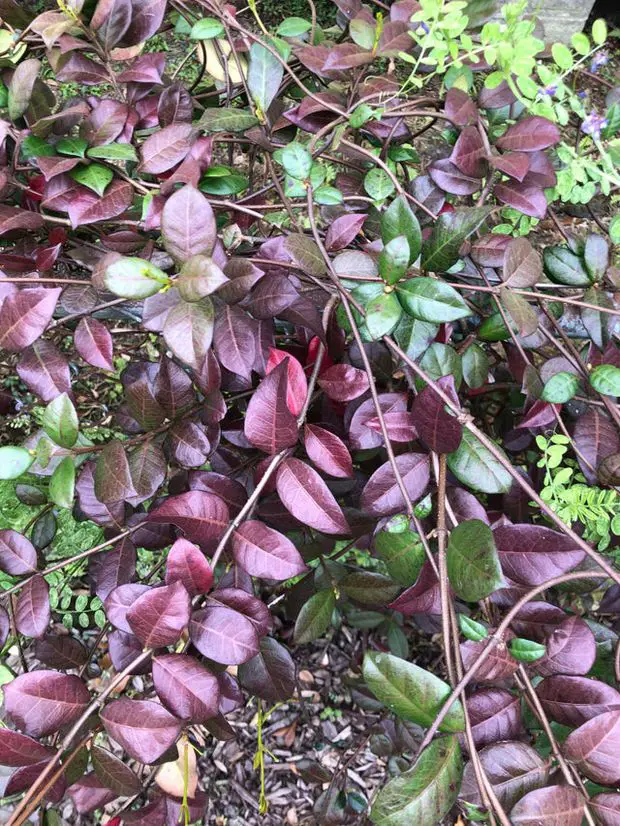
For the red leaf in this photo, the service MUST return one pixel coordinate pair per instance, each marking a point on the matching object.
(18, 750)
(513, 164)
(530, 200)
(234, 340)
(440, 430)
(143, 728)
(187, 564)
(342, 231)
(186, 687)
(61, 652)
(25, 315)
(45, 370)
(297, 389)
(223, 635)
(382, 495)
(449, 177)
(167, 147)
(529, 135)
(571, 649)
(202, 516)
(41, 702)
(398, 423)
(306, 496)
(86, 207)
(594, 748)
(572, 701)
(265, 553)
(343, 382)
(532, 554)
(32, 612)
(460, 107)
(269, 424)
(187, 220)
(160, 615)
(327, 451)
(119, 601)
(17, 554)
(94, 343)
(423, 597)
(469, 153)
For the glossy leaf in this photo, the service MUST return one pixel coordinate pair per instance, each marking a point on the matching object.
(551, 806)
(532, 554)
(473, 564)
(41, 702)
(441, 250)
(315, 617)
(202, 516)
(188, 223)
(159, 616)
(431, 300)
(223, 635)
(186, 687)
(60, 421)
(18, 556)
(143, 728)
(269, 424)
(382, 495)
(265, 553)
(513, 768)
(327, 451)
(571, 700)
(474, 465)
(186, 564)
(306, 496)
(32, 611)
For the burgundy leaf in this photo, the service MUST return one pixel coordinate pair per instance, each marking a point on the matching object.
(186, 688)
(269, 424)
(111, 20)
(234, 340)
(187, 220)
(265, 553)
(87, 207)
(382, 495)
(147, 466)
(343, 382)
(270, 674)
(530, 200)
(41, 702)
(167, 147)
(606, 807)
(45, 370)
(498, 666)
(119, 601)
(113, 481)
(187, 564)
(113, 773)
(595, 438)
(361, 436)
(231, 491)
(14, 218)
(124, 648)
(32, 612)
(153, 814)
(91, 507)
(271, 296)
(532, 554)
(94, 343)
(159, 616)
(25, 315)
(223, 635)
(551, 806)
(469, 153)
(143, 728)
(297, 387)
(529, 135)
(146, 18)
(423, 597)
(571, 649)
(89, 794)
(62, 652)
(594, 748)
(24, 778)
(202, 516)
(306, 496)
(572, 701)
(513, 769)
(5, 626)
(489, 250)
(188, 331)
(438, 428)
(513, 164)
(327, 451)
(17, 554)
(495, 714)
(541, 172)
(522, 265)
(460, 107)
(342, 231)
(449, 177)
(18, 750)
(235, 597)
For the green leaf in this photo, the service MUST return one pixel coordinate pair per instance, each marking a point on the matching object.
(475, 366)
(60, 421)
(431, 300)
(94, 176)
(369, 588)
(394, 259)
(493, 328)
(296, 160)
(315, 617)
(14, 461)
(410, 692)
(526, 651)
(378, 184)
(614, 229)
(423, 795)
(265, 73)
(441, 360)
(471, 629)
(599, 31)
(562, 56)
(293, 27)
(134, 278)
(581, 43)
(206, 29)
(441, 250)
(33, 147)
(362, 32)
(382, 315)
(473, 565)
(606, 379)
(226, 120)
(402, 552)
(476, 467)
(113, 152)
(328, 196)
(360, 115)
(399, 219)
(230, 183)
(74, 147)
(560, 388)
(62, 484)
(414, 336)
(564, 267)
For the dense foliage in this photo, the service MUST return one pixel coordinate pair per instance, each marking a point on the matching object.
(283, 308)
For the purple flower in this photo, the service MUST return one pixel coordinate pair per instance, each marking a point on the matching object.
(593, 124)
(550, 90)
(600, 59)
(422, 29)
(583, 94)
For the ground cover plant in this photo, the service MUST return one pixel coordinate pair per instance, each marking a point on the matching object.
(298, 334)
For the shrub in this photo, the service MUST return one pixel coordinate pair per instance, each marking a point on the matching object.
(288, 311)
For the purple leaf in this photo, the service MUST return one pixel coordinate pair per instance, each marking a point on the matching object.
(18, 750)
(297, 387)
(498, 666)
(94, 343)
(449, 177)
(234, 340)
(113, 773)
(187, 220)
(41, 702)
(306, 496)
(362, 437)
(438, 428)
(124, 648)
(495, 714)
(17, 554)
(490, 250)
(231, 491)
(119, 601)
(186, 688)
(522, 265)
(532, 554)
(606, 807)
(469, 153)
(595, 438)
(270, 674)
(202, 516)
(45, 370)
(513, 164)
(187, 564)
(25, 315)
(594, 748)
(89, 794)
(32, 612)
(273, 294)
(62, 652)
(513, 769)
(86, 207)
(166, 148)
(571, 649)
(572, 701)
(529, 135)
(541, 172)
(269, 424)
(327, 451)
(223, 635)
(551, 806)
(188, 331)
(159, 616)
(113, 481)
(530, 200)
(265, 553)
(342, 231)
(233, 596)
(110, 21)
(24, 778)
(147, 466)
(460, 107)
(423, 597)
(343, 382)
(382, 495)
(143, 728)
